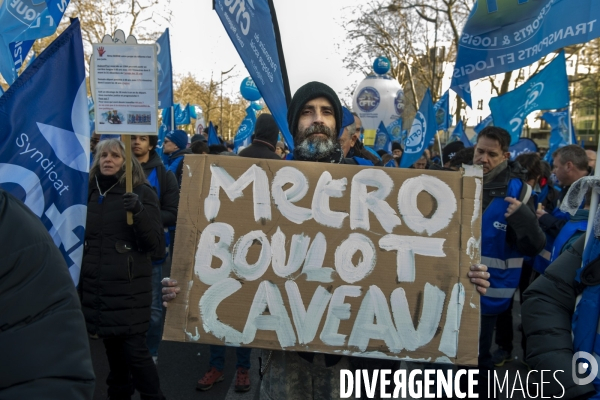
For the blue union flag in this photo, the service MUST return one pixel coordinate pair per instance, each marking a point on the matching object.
(504, 35)
(44, 131)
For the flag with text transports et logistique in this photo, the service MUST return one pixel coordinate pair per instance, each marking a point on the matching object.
(505, 35)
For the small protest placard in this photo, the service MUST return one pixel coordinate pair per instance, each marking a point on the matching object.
(125, 88)
(327, 258)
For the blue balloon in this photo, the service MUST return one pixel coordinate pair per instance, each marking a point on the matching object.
(249, 90)
(381, 65)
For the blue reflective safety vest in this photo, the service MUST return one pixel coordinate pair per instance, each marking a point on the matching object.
(504, 262)
(587, 312)
(173, 164)
(155, 183)
(565, 234)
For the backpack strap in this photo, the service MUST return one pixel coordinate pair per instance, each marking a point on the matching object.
(525, 193)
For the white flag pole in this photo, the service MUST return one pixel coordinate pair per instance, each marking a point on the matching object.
(593, 201)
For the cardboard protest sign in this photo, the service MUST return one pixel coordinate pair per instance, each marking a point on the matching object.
(327, 258)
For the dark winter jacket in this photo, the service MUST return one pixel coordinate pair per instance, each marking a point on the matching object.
(43, 342)
(169, 189)
(115, 283)
(547, 310)
(259, 150)
(523, 230)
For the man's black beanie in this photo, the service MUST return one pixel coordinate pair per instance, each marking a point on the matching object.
(450, 150)
(308, 92)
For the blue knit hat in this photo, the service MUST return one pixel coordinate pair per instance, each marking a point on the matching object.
(347, 120)
(179, 137)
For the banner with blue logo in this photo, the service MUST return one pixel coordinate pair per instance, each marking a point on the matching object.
(394, 130)
(245, 130)
(250, 26)
(382, 139)
(34, 19)
(165, 70)
(442, 112)
(524, 145)
(546, 90)
(559, 133)
(213, 138)
(502, 36)
(422, 131)
(44, 158)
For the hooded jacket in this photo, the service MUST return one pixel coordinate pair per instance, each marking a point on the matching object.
(43, 342)
(168, 193)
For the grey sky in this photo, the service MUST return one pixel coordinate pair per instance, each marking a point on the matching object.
(310, 29)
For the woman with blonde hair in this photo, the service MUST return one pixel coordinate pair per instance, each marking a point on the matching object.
(115, 283)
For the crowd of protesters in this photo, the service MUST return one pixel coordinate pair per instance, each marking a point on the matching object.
(122, 294)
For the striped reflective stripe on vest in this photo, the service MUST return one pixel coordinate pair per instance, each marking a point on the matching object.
(500, 293)
(501, 264)
(545, 254)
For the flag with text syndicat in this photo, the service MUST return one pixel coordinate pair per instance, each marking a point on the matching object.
(559, 131)
(245, 130)
(502, 36)
(546, 90)
(252, 27)
(44, 158)
(422, 131)
(165, 71)
(21, 23)
(213, 138)
(442, 112)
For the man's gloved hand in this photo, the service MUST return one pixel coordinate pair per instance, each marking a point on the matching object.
(132, 203)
